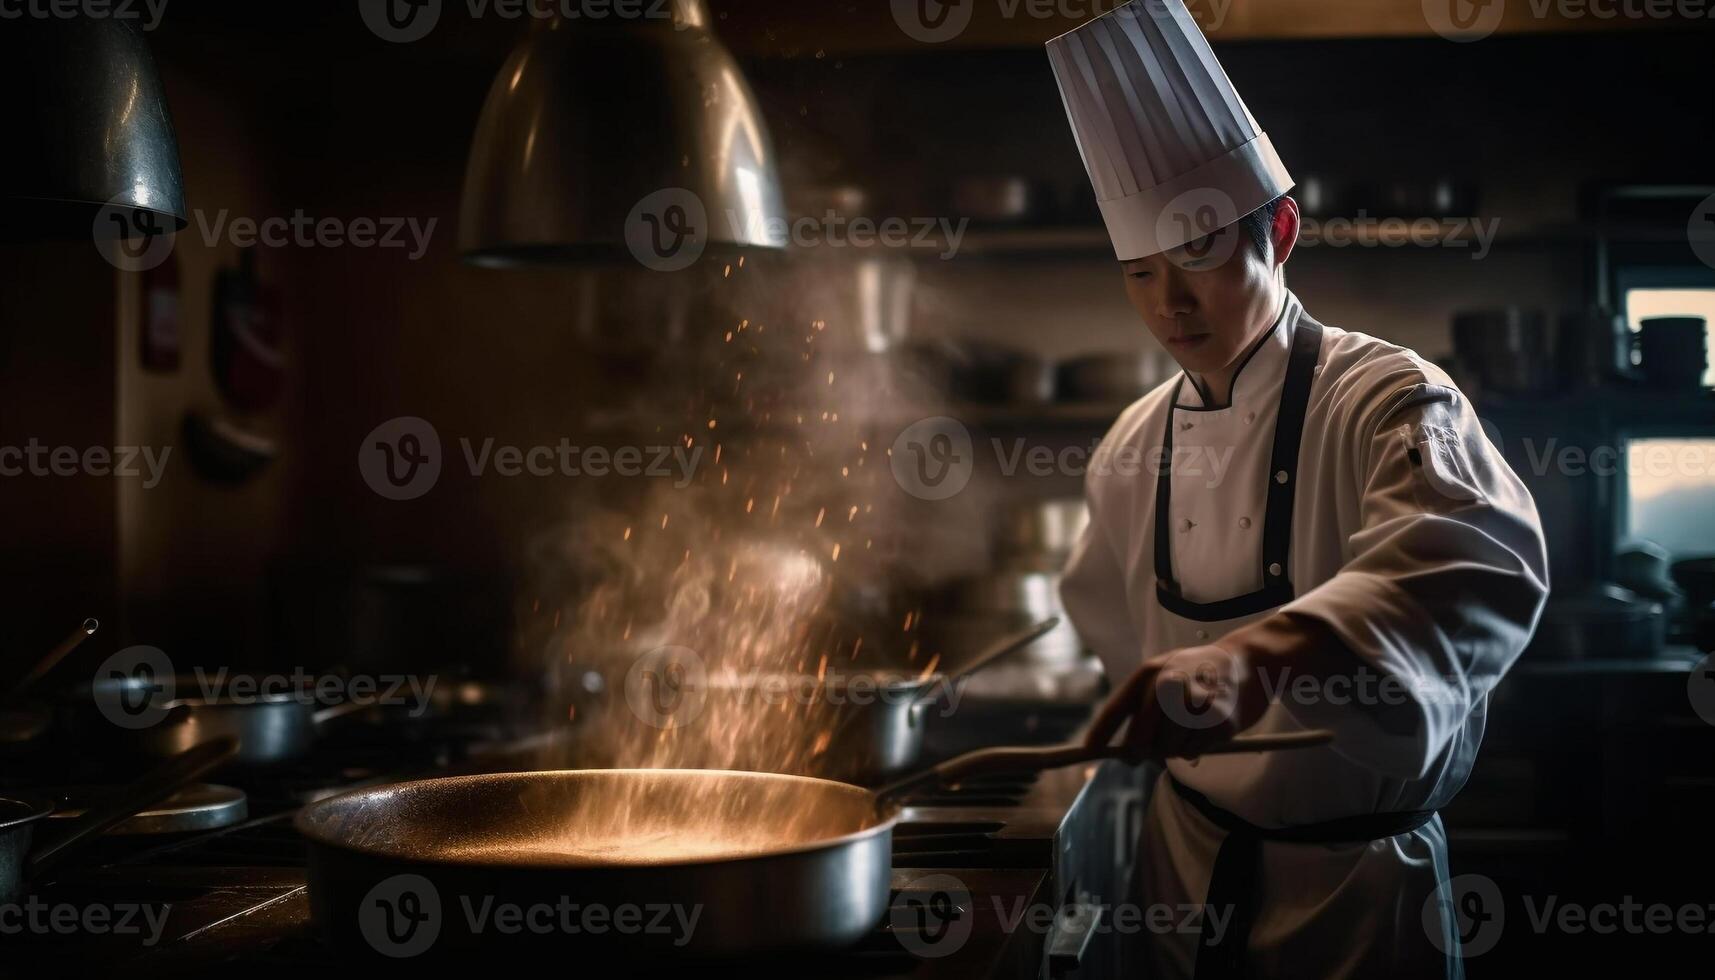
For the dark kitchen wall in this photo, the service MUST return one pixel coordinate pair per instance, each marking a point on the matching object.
(369, 130)
(57, 304)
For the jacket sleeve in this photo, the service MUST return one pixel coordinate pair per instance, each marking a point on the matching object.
(1445, 577)
(1093, 592)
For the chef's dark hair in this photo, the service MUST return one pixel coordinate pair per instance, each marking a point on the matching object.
(1259, 227)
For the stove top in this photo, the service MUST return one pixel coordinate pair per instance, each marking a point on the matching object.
(966, 862)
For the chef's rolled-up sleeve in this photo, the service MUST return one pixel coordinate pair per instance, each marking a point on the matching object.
(1445, 579)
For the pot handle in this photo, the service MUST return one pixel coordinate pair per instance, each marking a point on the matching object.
(996, 650)
(1006, 761)
(153, 787)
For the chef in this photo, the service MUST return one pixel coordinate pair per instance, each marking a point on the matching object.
(1305, 529)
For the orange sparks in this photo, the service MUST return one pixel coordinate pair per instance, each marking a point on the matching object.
(556, 619)
(929, 669)
(856, 647)
(628, 534)
(908, 618)
(823, 740)
(830, 377)
(836, 552)
(663, 522)
(820, 515)
(750, 505)
(822, 669)
(717, 452)
(712, 424)
(853, 515)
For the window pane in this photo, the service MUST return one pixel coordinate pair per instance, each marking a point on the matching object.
(1645, 304)
(1672, 486)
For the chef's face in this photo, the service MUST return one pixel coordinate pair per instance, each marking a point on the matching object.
(1207, 301)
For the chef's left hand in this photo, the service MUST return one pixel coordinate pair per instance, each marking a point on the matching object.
(1182, 703)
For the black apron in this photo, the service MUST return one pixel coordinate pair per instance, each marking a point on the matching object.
(1233, 880)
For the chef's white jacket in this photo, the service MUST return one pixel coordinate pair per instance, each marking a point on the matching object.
(1413, 541)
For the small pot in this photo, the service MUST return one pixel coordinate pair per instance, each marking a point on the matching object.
(1675, 351)
(18, 820)
(270, 729)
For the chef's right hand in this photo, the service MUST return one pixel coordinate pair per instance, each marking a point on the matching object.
(1179, 705)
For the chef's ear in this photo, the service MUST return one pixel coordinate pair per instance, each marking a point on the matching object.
(1284, 234)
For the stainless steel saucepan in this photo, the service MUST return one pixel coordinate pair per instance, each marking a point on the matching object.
(720, 863)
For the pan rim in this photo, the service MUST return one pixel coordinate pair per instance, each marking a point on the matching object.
(35, 808)
(884, 824)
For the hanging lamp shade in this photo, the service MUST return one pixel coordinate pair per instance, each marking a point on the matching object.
(88, 134)
(590, 118)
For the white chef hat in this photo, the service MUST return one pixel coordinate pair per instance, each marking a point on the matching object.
(1172, 150)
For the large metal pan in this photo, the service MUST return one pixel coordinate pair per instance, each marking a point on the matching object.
(757, 862)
